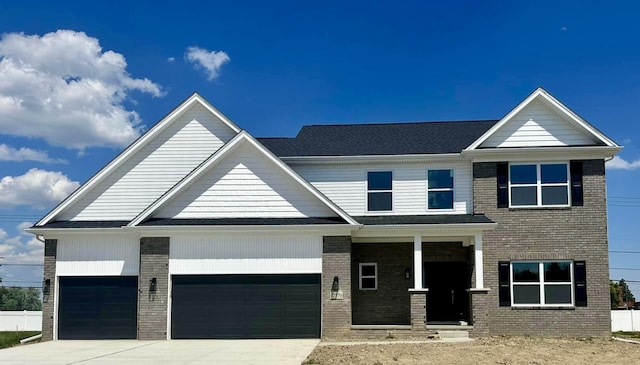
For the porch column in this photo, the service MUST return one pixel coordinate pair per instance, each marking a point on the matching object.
(479, 266)
(417, 262)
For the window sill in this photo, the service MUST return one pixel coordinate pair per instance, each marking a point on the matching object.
(539, 208)
(549, 307)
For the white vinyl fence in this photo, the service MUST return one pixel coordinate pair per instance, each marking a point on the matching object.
(20, 320)
(625, 320)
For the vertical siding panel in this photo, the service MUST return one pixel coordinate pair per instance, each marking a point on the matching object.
(245, 255)
(106, 254)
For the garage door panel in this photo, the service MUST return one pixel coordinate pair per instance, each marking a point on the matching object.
(246, 306)
(98, 307)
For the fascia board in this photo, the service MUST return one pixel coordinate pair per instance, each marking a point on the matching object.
(243, 136)
(540, 92)
(504, 119)
(131, 149)
(541, 153)
(186, 181)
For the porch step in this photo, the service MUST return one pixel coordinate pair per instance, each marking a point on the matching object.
(452, 334)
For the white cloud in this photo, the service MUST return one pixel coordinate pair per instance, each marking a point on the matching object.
(3, 234)
(62, 87)
(564, 29)
(22, 226)
(617, 163)
(210, 61)
(37, 188)
(16, 250)
(8, 153)
(171, 59)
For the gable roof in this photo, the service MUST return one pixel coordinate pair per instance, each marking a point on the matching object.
(380, 139)
(133, 148)
(562, 109)
(243, 136)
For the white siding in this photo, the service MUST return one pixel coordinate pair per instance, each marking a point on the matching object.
(245, 184)
(103, 254)
(159, 165)
(245, 255)
(537, 125)
(346, 185)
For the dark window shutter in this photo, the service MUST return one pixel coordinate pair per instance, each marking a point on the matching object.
(576, 183)
(504, 292)
(502, 174)
(580, 278)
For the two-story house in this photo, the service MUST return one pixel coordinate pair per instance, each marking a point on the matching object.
(200, 230)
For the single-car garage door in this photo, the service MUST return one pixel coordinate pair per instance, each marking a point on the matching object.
(245, 306)
(98, 307)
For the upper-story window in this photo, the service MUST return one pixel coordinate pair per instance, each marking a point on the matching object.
(439, 189)
(537, 185)
(379, 191)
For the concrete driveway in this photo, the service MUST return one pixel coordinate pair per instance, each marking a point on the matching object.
(161, 352)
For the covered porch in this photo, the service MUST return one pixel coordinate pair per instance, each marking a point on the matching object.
(418, 276)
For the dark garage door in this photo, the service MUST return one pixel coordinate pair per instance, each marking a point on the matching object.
(98, 307)
(245, 306)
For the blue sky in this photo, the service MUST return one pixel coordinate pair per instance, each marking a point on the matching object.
(274, 66)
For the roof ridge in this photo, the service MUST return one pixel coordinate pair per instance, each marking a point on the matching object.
(401, 123)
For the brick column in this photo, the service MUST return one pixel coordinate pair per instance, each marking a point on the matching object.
(152, 307)
(336, 305)
(418, 309)
(49, 273)
(479, 312)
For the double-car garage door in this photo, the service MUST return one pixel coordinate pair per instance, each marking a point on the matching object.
(202, 306)
(245, 306)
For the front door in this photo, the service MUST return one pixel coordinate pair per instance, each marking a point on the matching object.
(447, 299)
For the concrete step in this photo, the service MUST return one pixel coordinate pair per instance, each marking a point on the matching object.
(443, 334)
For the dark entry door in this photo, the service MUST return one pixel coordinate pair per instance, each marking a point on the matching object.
(447, 299)
(98, 308)
(245, 306)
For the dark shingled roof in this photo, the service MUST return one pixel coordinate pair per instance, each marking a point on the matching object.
(84, 224)
(423, 219)
(380, 139)
(241, 221)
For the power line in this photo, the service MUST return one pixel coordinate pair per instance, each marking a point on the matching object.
(624, 268)
(17, 264)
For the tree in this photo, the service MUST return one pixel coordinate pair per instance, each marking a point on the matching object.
(620, 293)
(614, 290)
(18, 299)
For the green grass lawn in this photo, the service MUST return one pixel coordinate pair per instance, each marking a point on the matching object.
(629, 335)
(8, 339)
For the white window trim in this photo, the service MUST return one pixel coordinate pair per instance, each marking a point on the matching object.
(452, 189)
(541, 283)
(539, 185)
(367, 191)
(375, 277)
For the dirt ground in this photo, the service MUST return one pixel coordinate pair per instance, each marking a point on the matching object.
(491, 350)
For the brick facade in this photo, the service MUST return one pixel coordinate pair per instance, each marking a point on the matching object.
(152, 307)
(49, 273)
(390, 303)
(336, 306)
(575, 233)
(418, 310)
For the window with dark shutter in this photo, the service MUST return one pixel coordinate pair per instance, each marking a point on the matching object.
(576, 183)
(504, 291)
(502, 175)
(580, 277)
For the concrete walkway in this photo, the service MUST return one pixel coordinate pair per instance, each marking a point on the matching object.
(161, 352)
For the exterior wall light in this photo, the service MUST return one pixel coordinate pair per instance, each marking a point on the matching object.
(336, 284)
(407, 273)
(46, 286)
(153, 285)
